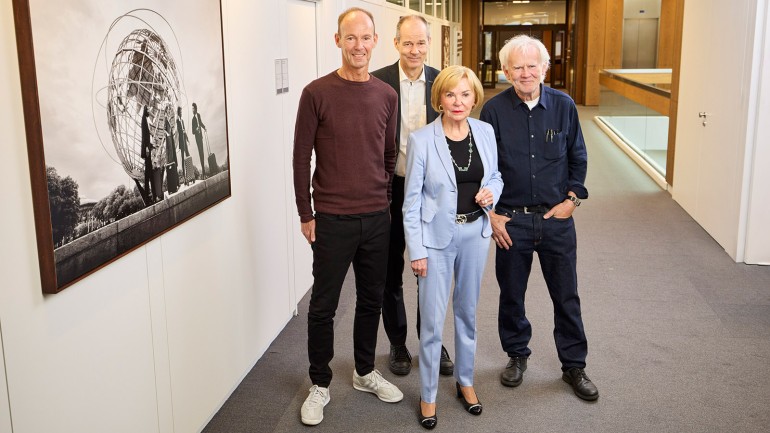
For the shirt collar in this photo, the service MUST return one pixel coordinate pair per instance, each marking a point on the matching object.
(402, 75)
(543, 97)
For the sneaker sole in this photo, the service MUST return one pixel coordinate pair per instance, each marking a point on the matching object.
(393, 400)
(308, 422)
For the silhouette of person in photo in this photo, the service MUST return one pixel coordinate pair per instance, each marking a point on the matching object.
(181, 134)
(198, 126)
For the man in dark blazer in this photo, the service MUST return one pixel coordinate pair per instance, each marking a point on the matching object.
(412, 79)
(181, 133)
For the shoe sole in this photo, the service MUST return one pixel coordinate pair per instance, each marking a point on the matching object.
(400, 372)
(581, 396)
(511, 383)
(307, 422)
(394, 400)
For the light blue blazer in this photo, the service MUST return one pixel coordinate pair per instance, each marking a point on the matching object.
(430, 192)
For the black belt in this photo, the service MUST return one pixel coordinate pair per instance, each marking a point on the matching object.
(526, 210)
(463, 218)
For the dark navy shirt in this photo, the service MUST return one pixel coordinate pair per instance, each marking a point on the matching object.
(541, 152)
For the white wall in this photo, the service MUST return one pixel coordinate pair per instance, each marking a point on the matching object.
(757, 231)
(156, 341)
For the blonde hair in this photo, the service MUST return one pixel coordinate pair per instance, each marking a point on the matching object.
(448, 79)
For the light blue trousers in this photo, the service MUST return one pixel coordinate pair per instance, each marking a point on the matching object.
(464, 258)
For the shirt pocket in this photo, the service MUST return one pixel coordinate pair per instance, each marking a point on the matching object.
(555, 145)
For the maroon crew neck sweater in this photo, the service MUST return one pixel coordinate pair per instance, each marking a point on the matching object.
(347, 123)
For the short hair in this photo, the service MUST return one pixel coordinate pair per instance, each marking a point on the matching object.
(195, 105)
(349, 11)
(405, 18)
(519, 44)
(448, 78)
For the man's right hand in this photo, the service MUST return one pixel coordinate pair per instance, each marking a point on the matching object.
(499, 233)
(308, 230)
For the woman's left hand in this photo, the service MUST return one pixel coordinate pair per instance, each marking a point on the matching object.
(420, 267)
(484, 197)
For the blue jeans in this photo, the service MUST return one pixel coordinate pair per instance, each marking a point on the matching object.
(555, 242)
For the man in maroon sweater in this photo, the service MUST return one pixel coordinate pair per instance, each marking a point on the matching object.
(346, 117)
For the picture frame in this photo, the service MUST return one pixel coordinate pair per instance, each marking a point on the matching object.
(126, 124)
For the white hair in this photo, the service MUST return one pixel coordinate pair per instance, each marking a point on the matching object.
(519, 44)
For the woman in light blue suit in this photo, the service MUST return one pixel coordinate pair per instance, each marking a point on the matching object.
(452, 183)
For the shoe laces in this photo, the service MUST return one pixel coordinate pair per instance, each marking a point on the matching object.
(401, 353)
(516, 361)
(377, 378)
(316, 396)
(579, 373)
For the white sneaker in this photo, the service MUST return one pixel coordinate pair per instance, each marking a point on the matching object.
(313, 408)
(376, 384)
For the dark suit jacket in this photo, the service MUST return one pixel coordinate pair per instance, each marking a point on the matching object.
(389, 74)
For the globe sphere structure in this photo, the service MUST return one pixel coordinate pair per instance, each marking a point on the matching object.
(143, 73)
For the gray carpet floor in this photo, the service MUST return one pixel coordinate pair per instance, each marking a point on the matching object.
(679, 335)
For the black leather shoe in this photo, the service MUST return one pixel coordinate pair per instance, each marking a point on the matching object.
(472, 408)
(446, 367)
(514, 371)
(427, 422)
(400, 362)
(581, 384)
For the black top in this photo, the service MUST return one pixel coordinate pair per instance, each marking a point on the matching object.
(468, 182)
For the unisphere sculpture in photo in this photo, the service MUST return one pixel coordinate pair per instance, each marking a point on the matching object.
(143, 73)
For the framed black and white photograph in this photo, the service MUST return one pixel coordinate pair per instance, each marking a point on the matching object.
(126, 124)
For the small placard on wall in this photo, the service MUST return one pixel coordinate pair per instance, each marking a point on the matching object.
(281, 76)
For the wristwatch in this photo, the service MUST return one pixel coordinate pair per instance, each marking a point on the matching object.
(574, 200)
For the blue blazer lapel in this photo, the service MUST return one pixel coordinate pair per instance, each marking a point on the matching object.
(439, 140)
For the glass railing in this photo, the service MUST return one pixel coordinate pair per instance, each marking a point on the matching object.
(634, 108)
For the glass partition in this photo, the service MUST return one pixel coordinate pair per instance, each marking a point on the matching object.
(634, 107)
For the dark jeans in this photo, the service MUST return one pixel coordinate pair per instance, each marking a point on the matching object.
(342, 240)
(555, 242)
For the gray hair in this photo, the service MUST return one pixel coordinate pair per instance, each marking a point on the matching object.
(410, 17)
(519, 44)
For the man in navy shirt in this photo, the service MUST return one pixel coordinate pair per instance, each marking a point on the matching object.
(543, 160)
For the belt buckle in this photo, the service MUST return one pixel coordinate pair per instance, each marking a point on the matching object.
(526, 210)
(461, 218)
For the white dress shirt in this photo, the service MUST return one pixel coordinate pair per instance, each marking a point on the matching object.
(412, 113)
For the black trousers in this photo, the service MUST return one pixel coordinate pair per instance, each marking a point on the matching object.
(393, 311)
(341, 240)
(199, 142)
